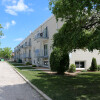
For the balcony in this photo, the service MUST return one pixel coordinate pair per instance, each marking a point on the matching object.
(26, 56)
(27, 45)
(17, 50)
(40, 54)
(41, 37)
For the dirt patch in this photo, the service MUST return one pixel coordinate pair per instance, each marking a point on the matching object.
(66, 73)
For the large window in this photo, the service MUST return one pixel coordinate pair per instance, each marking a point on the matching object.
(45, 50)
(45, 32)
(30, 42)
(29, 53)
(80, 64)
(46, 63)
(25, 43)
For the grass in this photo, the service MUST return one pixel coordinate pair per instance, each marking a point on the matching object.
(18, 64)
(85, 86)
(24, 68)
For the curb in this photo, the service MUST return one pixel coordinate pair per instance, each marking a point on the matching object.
(33, 86)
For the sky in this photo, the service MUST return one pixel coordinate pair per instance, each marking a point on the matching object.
(19, 18)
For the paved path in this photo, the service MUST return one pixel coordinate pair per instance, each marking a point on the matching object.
(13, 87)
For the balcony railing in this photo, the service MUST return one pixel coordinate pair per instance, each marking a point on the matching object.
(17, 50)
(40, 54)
(41, 36)
(26, 45)
(26, 56)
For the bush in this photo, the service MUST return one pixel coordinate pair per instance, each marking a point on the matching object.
(28, 63)
(59, 61)
(93, 65)
(98, 67)
(72, 68)
(19, 61)
(34, 66)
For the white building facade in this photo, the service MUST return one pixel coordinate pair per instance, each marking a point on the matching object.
(37, 47)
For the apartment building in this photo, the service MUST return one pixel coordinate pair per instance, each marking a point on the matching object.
(37, 47)
(23, 51)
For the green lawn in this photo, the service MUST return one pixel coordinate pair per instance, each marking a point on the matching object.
(15, 63)
(84, 86)
(18, 64)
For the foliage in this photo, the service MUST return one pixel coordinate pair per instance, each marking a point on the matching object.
(59, 61)
(98, 67)
(6, 52)
(72, 68)
(82, 24)
(19, 61)
(28, 63)
(34, 66)
(73, 9)
(81, 28)
(93, 65)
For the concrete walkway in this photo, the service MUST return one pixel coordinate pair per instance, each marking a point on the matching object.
(13, 87)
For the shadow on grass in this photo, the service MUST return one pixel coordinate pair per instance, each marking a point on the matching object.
(81, 87)
(24, 68)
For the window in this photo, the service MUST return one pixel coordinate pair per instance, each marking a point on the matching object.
(79, 64)
(46, 63)
(30, 41)
(25, 43)
(38, 61)
(45, 32)
(29, 53)
(34, 61)
(45, 50)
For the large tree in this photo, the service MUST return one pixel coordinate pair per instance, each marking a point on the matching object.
(81, 29)
(82, 24)
(6, 53)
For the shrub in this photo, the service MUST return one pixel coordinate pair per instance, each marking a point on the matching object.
(98, 67)
(28, 63)
(19, 61)
(59, 61)
(34, 66)
(72, 68)
(93, 65)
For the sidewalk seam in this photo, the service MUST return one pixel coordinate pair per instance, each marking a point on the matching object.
(33, 86)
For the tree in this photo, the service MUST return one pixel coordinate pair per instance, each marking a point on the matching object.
(59, 61)
(6, 53)
(82, 24)
(1, 52)
(81, 29)
(93, 65)
(72, 68)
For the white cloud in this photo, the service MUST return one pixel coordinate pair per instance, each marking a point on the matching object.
(13, 22)
(3, 37)
(14, 1)
(9, 1)
(18, 39)
(8, 24)
(17, 7)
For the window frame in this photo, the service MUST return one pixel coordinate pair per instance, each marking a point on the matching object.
(80, 64)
